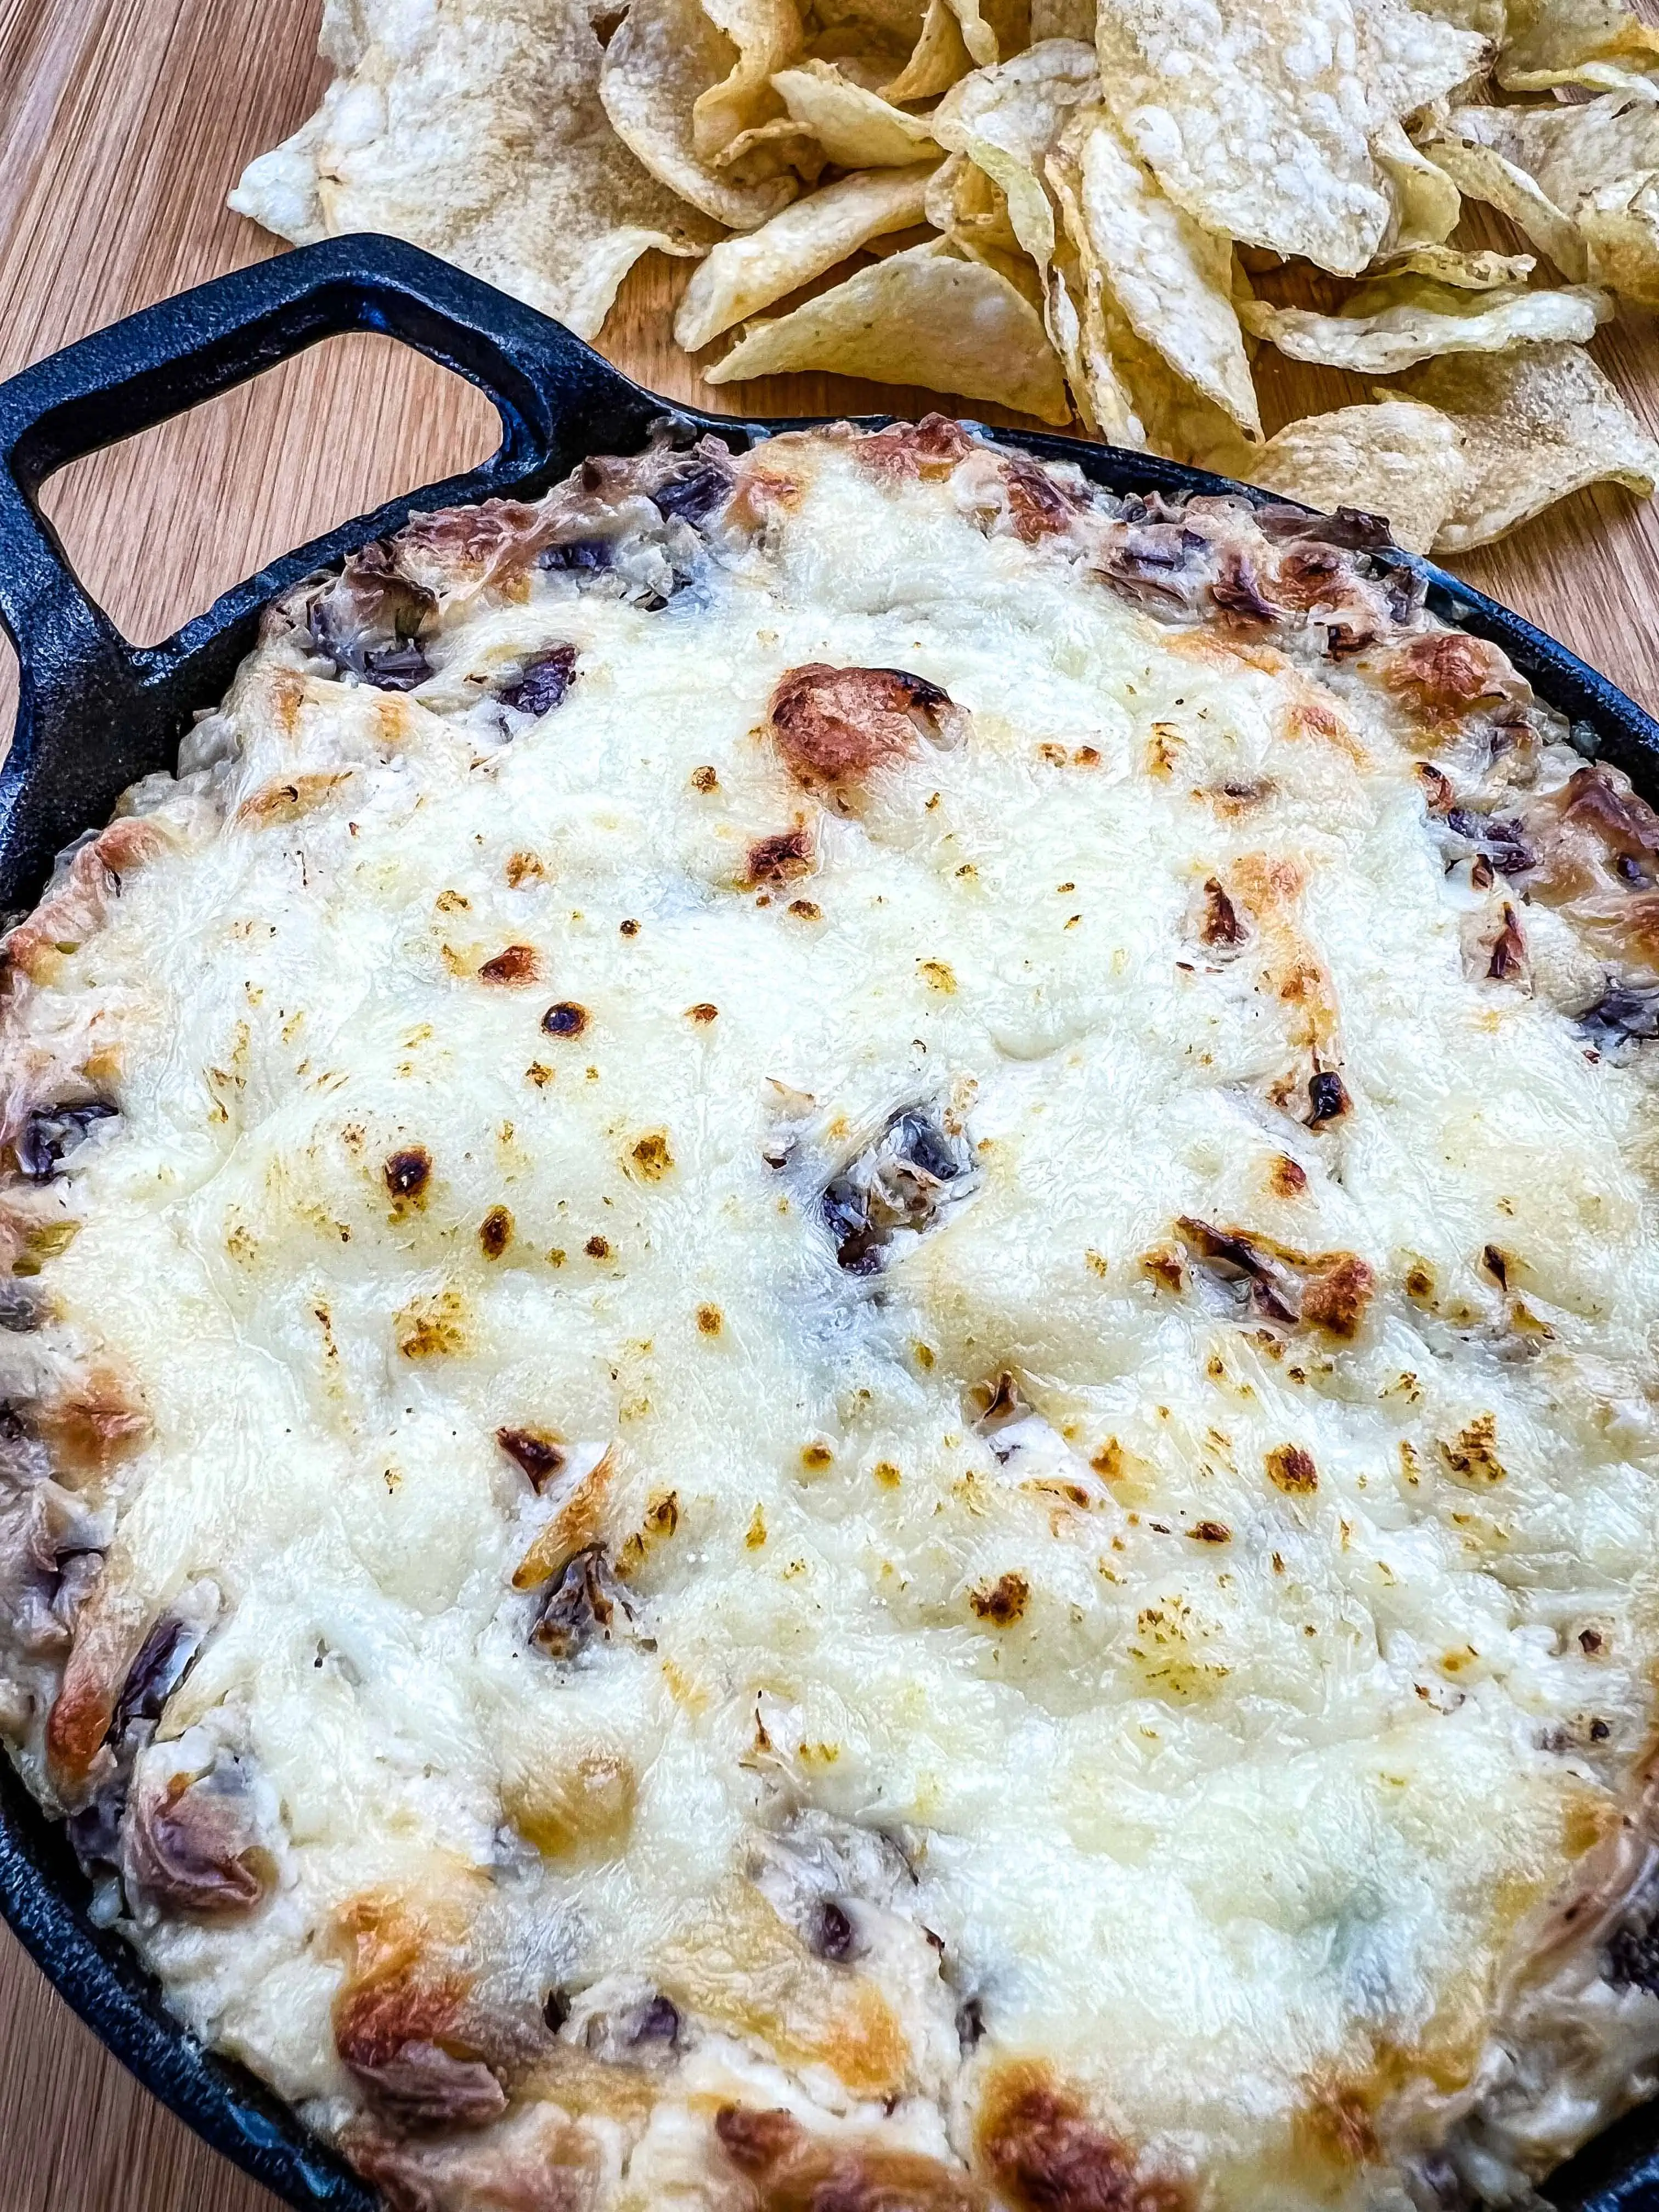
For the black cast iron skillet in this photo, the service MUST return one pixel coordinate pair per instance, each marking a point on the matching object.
(96, 712)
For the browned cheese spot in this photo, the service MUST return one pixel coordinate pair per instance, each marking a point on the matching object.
(710, 1319)
(1291, 1470)
(1287, 1177)
(931, 448)
(1004, 1603)
(1329, 1291)
(629, 928)
(1471, 1457)
(495, 1232)
(1442, 676)
(704, 779)
(834, 727)
(407, 1173)
(779, 858)
(566, 1020)
(1210, 1532)
(789, 2170)
(515, 964)
(538, 1453)
(649, 1159)
(1495, 1261)
(703, 1012)
(523, 868)
(399, 2026)
(803, 910)
(816, 1457)
(1041, 2153)
(597, 1248)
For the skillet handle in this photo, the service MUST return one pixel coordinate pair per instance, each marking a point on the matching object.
(94, 712)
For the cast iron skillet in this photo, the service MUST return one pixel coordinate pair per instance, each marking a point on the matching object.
(95, 713)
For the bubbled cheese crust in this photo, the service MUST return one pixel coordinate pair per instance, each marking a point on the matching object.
(1109, 1684)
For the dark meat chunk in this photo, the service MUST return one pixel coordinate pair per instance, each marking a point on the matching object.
(901, 1182)
(371, 620)
(1328, 1097)
(1623, 1017)
(1350, 527)
(1236, 592)
(192, 1846)
(408, 1172)
(584, 1602)
(50, 1132)
(1500, 842)
(1161, 565)
(542, 684)
(930, 448)
(539, 1455)
(701, 486)
(1257, 1277)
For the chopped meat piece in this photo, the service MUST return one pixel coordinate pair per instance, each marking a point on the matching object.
(1328, 1097)
(779, 859)
(583, 1603)
(929, 449)
(1625, 1016)
(370, 620)
(542, 684)
(1502, 843)
(50, 1132)
(538, 1454)
(900, 1182)
(1160, 564)
(1349, 527)
(1255, 1276)
(192, 1846)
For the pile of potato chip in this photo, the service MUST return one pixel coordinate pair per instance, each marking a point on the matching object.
(1066, 207)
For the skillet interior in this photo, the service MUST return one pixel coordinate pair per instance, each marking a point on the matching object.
(97, 712)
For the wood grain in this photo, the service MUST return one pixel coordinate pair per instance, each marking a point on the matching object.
(123, 123)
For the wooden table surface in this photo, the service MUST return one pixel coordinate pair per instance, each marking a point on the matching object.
(123, 123)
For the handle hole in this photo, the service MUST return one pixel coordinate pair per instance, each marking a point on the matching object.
(157, 526)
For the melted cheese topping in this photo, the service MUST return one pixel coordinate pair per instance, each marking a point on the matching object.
(1205, 1727)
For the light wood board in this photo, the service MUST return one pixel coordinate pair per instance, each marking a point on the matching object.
(123, 123)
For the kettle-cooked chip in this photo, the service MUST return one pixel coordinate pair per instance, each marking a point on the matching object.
(1601, 43)
(1425, 204)
(477, 132)
(665, 56)
(1571, 176)
(939, 57)
(745, 274)
(1471, 269)
(856, 128)
(1005, 119)
(1170, 278)
(920, 317)
(767, 34)
(1538, 424)
(1256, 115)
(1388, 325)
(962, 201)
(1395, 458)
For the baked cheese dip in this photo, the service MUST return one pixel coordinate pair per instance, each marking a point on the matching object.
(829, 1359)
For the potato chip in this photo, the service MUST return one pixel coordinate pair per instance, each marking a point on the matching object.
(1179, 421)
(745, 274)
(1600, 43)
(661, 60)
(479, 135)
(1171, 278)
(1559, 158)
(1424, 203)
(1620, 226)
(1472, 270)
(1257, 116)
(856, 128)
(1005, 119)
(1063, 19)
(962, 203)
(767, 150)
(1388, 327)
(1476, 166)
(925, 317)
(1538, 424)
(938, 59)
(1489, 17)
(1075, 315)
(1396, 458)
(767, 34)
